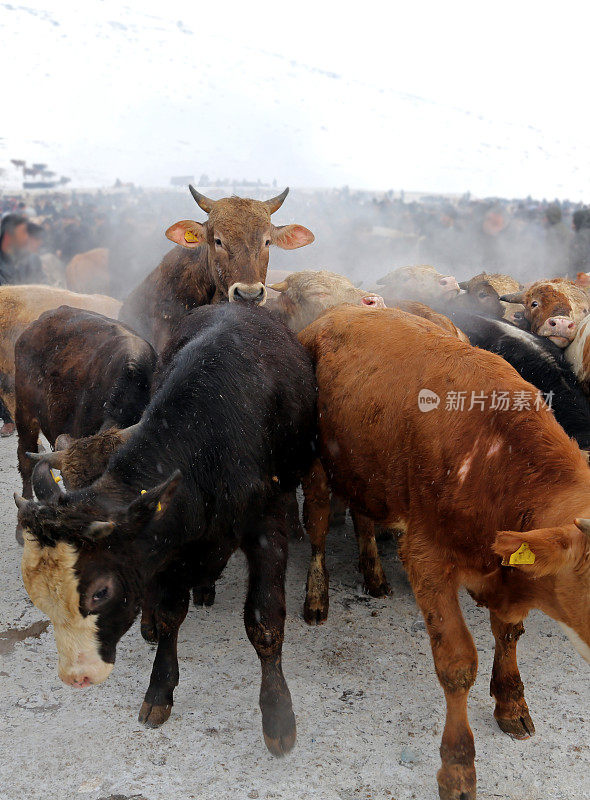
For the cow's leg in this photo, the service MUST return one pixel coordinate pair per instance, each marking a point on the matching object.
(337, 511)
(294, 525)
(265, 547)
(27, 427)
(169, 610)
(8, 425)
(369, 560)
(455, 661)
(316, 516)
(511, 712)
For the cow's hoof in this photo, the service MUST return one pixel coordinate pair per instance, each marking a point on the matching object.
(280, 742)
(456, 783)
(149, 632)
(315, 613)
(517, 727)
(378, 588)
(204, 595)
(153, 716)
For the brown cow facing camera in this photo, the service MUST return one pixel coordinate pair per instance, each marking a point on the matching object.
(553, 308)
(496, 502)
(223, 258)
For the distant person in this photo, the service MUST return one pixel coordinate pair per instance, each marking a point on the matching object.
(579, 255)
(557, 242)
(29, 265)
(13, 245)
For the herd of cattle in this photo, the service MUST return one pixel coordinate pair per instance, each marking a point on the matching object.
(181, 426)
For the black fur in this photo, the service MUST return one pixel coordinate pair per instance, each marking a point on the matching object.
(539, 362)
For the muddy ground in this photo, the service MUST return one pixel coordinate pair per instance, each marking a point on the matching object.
(369, 709)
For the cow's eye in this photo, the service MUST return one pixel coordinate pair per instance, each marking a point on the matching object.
(101, 594)
(534, 304)
(218, 242)
(267, 243)
(481, 294)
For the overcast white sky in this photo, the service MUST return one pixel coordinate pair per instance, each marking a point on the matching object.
(431, 96)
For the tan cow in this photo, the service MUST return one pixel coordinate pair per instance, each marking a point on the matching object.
(554, 308)
(21, 305)
(423, 283)
(89, 272)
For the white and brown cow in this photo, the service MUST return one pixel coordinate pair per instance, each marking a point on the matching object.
(423, 283)
(554, 308)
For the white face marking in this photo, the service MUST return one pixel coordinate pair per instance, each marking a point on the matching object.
(580, 645)
(52, 585)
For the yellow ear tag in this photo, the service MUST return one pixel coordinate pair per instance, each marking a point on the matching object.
(189, 236)
(56, 478)
(524, 555)
(158, 507)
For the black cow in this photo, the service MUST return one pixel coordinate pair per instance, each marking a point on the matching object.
(224, 440)
(77, 372)
(539, 362)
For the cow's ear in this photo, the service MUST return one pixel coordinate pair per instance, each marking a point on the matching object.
(153, 503)
(545, 551)
(290, 237)
(187, 233)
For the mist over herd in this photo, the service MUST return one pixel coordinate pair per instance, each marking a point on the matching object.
(188, 396)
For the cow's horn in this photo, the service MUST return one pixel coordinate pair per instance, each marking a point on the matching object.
(514, 297)
(282, 286)
(20, 501)
(53, 459)
(583, 525)
(276, 202)
(203, 202)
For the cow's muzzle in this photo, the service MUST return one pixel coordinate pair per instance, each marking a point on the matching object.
(248, 292)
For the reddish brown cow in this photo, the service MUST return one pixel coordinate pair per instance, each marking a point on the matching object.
(554, 308)
(224, 258)
(496, 502)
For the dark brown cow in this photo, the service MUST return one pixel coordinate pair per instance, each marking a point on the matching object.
(481, 295)
(19, 306)
(496, 502)
(77, 372)
(553, 308)
(224, 258)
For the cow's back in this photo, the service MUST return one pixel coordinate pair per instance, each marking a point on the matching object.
(383, 451)
(180, 282)
(21, 305)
